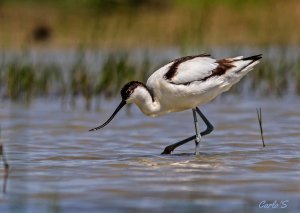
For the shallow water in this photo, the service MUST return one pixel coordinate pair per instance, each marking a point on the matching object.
(56, 165)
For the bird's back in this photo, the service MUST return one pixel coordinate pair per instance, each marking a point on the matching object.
(195, 80)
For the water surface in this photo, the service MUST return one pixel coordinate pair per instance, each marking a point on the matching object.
(56, 165)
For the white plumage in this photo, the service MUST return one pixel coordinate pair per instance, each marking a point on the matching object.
(187, 89)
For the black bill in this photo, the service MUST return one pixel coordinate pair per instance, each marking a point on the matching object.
(111, 117)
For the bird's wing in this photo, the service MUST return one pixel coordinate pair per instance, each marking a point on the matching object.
(190, 68)
(202, 67)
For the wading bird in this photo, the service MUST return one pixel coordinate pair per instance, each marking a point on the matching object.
(185, 83)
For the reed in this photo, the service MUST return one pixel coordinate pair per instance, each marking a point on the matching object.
(1, 79)
(259, 117)
(48, 80)
(81, 83)
(21, 80)
(296, 73)
(116, 71)
(273, 77)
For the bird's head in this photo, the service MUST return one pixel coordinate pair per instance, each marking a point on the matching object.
(133, 91)
(129, 94)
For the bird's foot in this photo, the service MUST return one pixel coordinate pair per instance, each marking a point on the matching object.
(168, 150)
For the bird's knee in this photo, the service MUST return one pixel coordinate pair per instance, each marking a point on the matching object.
(212, 128)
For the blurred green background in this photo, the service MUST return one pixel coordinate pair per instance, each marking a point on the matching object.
(148, 23)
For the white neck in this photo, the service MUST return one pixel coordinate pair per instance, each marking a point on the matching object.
(143, 99)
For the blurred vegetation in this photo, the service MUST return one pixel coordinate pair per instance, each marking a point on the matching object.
(148, 23)
(24, 81)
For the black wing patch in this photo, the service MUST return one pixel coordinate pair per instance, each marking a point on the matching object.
(173, 68)
(221, 69)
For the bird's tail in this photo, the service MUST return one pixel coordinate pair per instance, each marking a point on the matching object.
(243, 65)
(253, 58)
(239, 67)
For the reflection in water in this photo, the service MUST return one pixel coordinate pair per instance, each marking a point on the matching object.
(6, 168)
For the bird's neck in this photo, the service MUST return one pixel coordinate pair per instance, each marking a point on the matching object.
(146, 101)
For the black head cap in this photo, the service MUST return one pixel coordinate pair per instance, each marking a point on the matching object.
(128, 89)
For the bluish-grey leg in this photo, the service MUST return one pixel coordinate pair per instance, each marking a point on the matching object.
(198, 135)
(208, 130)
(209, 126)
